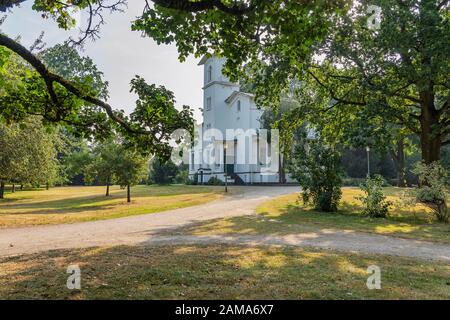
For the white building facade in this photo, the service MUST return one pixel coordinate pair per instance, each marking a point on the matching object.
(230, 143)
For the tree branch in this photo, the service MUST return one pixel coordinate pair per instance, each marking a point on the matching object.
(332, 94)
(50, 78)
(202, 5)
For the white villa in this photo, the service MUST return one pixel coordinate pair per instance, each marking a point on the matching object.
(234, 146)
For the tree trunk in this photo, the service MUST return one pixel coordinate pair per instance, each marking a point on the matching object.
(2, 190)
(107, 189)
(21, 187)
(398, 157)
(13, 188)
(128, 193)
(430, 141)
(47, 186)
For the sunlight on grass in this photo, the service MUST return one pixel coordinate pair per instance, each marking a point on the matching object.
(286, 215)
(78, 204)
(219, 272)
(392, 228)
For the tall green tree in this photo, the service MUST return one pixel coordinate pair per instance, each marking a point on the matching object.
(103, 167)
(74, 155)
(398, 72)
(130, 168)
(27, 154)
(68, 89)
(162, 172)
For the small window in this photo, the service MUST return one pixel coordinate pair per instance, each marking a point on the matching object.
(209, 77)
(239, 106)
(208, 126)
(208, 104)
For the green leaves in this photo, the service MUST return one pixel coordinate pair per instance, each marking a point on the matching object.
(27, 153)
(374, 201)
(317, 168)
(267, 43)
(432, 191)
(156, 114)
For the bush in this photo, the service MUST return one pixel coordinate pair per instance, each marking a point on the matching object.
(193, 181)
(374, 201)
(431, 192)
(214, 181)
(317, 168)
(182, 177)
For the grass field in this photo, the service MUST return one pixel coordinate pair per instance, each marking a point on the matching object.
(78, 204)
(285, 215)
(219, 272)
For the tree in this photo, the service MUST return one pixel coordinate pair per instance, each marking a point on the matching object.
(399, 71)
(74, 155)
(102, 168)
(162, 172)
(130, 168)
(27, 154)
(277, 32)
(290, 131)
(37, 86)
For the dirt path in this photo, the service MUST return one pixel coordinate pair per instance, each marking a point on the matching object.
(152, 229)
(135, 229)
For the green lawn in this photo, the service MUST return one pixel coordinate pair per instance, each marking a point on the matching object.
(219, 272)
(285, 215)
(77, 204)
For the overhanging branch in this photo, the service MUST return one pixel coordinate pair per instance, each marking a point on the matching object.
(51, 78)
(202, 5)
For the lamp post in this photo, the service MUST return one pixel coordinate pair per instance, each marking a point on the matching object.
(368, 161)
(225, 165)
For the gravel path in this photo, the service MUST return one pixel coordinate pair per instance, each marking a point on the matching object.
(150, 229)
(134, 229)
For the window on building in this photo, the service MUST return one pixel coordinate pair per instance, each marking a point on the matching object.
(208, 126)
(209, 77)
(239, 106)
(208, 103)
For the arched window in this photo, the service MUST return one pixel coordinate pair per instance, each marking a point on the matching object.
(209, 74)
(239, 106)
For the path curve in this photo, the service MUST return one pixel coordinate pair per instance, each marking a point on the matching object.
(151, 229)
(134, 229)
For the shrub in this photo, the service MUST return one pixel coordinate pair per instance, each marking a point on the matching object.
(194, 180)
(214, 181)
(374, 201)
(317, 168)
(182, 177)
(431, 192)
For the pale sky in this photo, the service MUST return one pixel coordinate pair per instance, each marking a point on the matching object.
(120, 53)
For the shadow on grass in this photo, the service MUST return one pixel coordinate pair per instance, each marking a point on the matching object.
(293, 218)
(217, 272)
